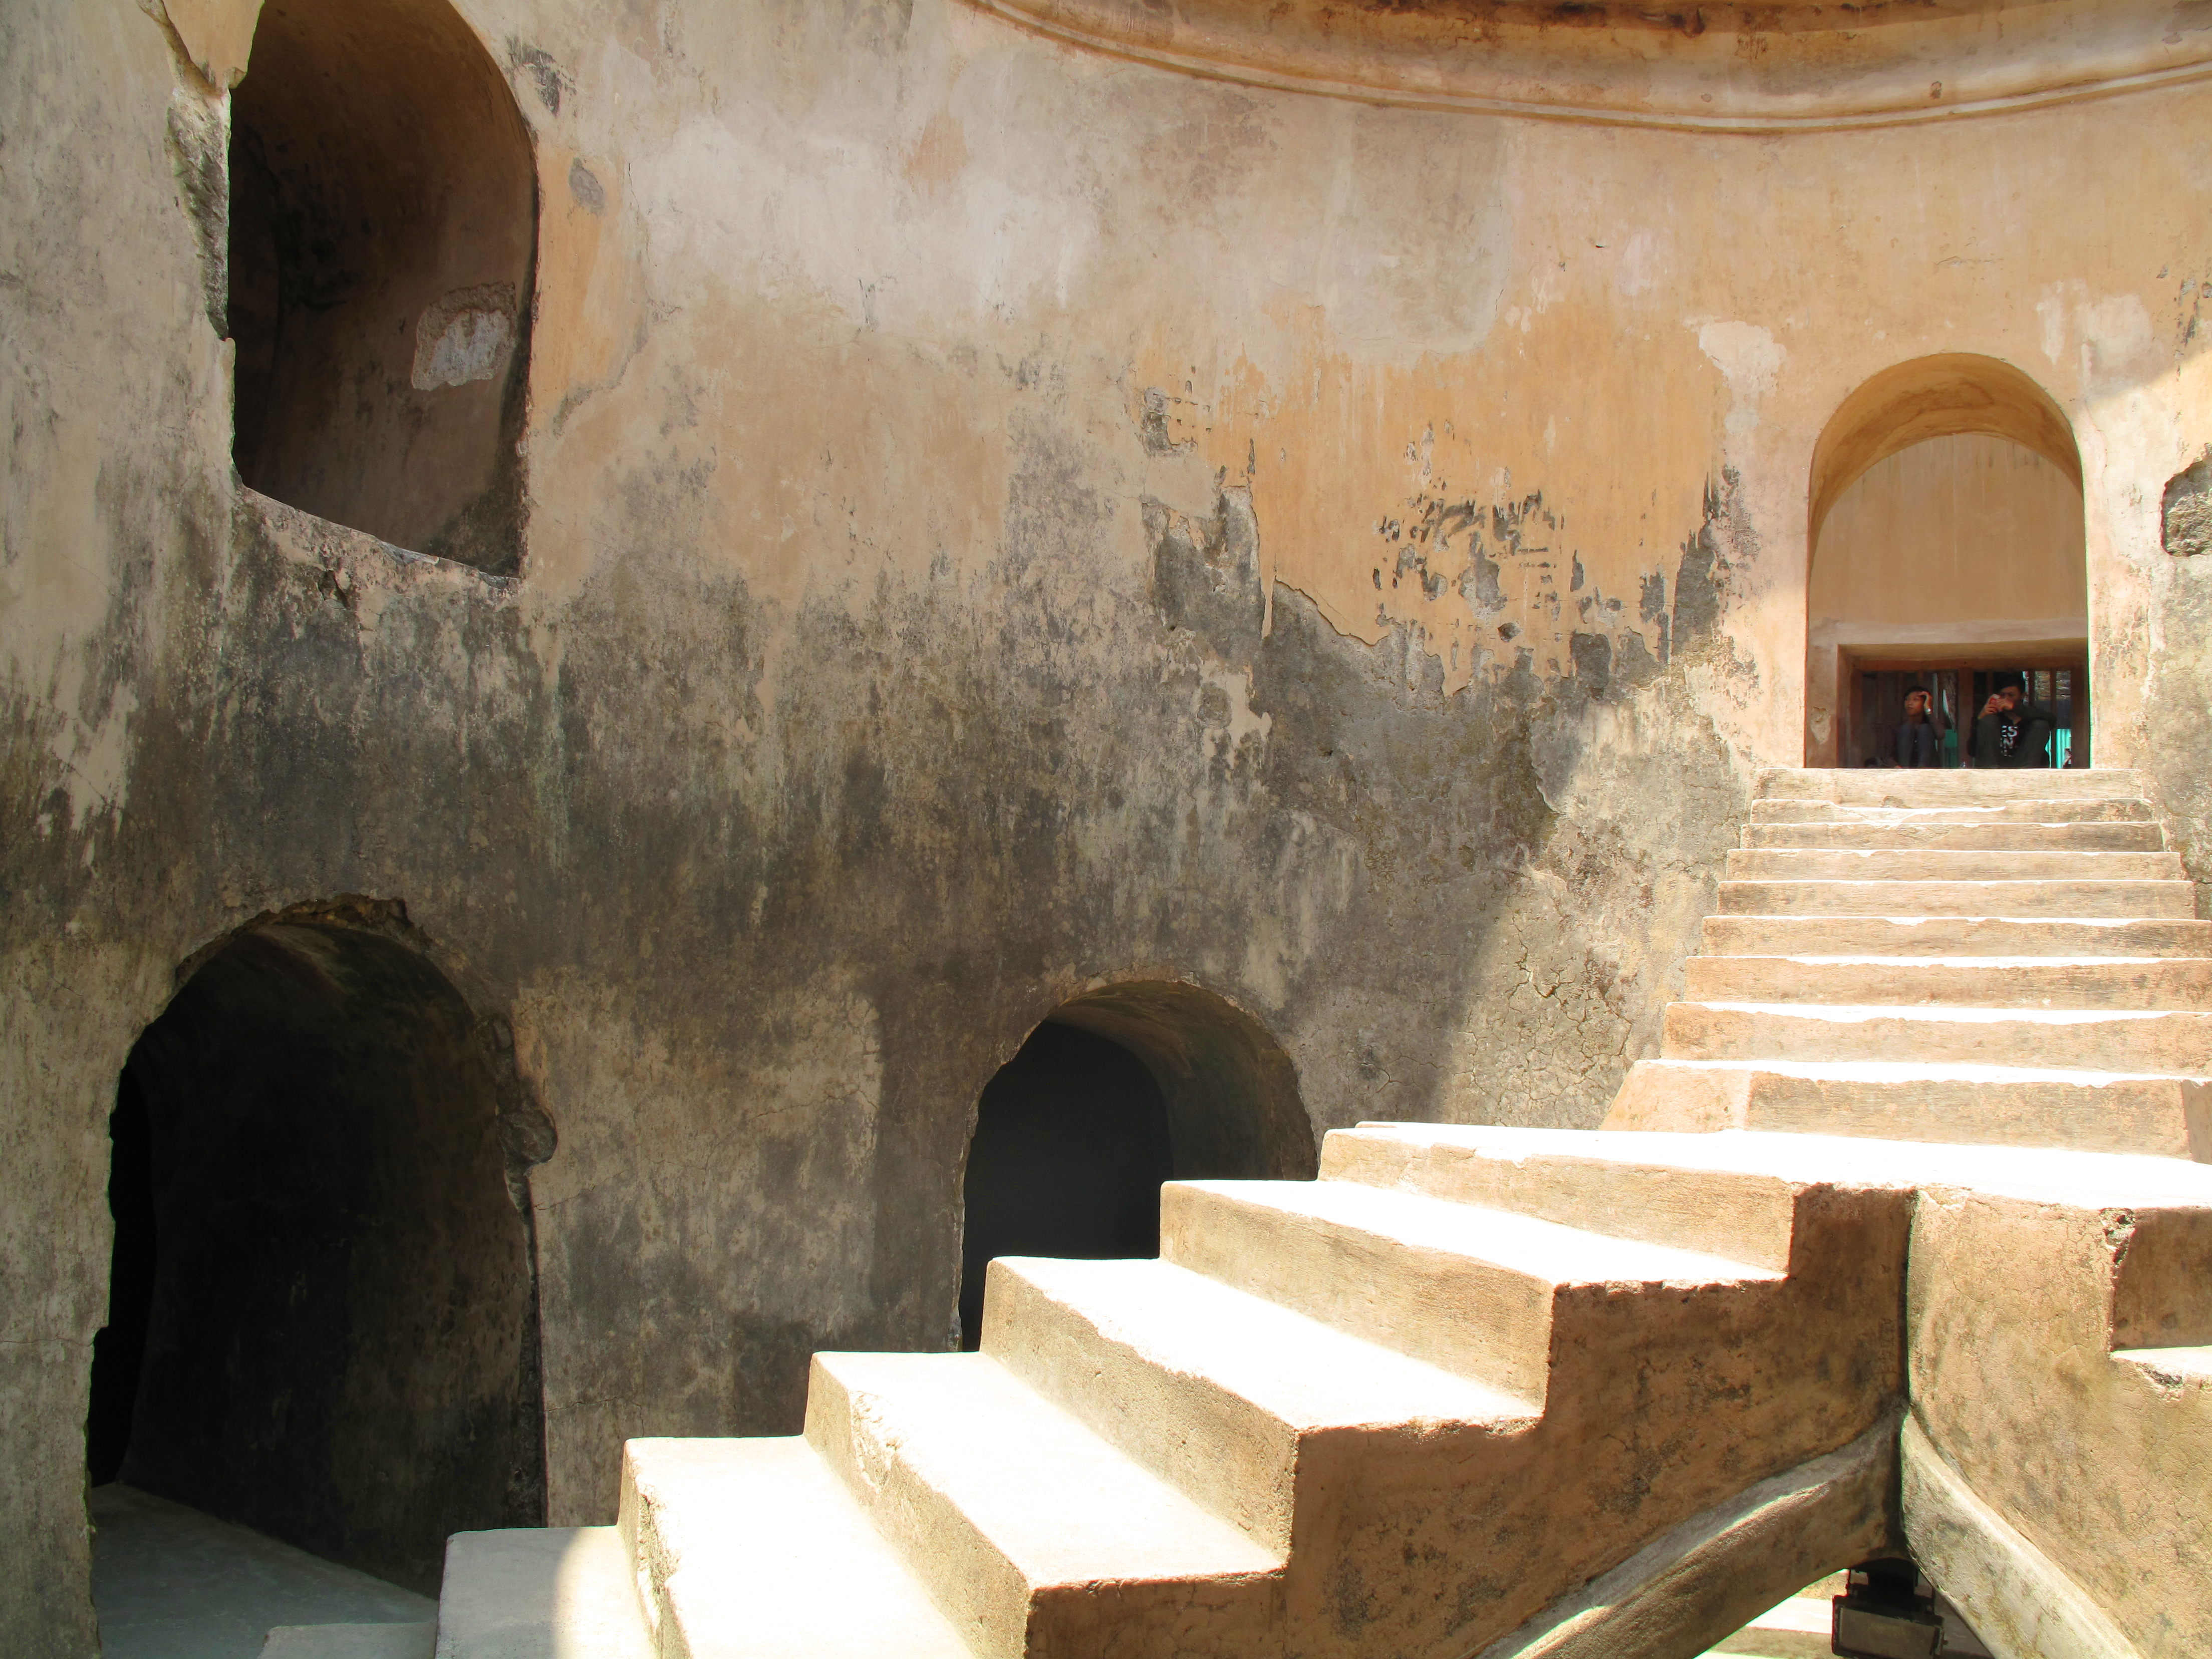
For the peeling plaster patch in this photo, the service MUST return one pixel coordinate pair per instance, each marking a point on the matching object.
(1642, 260)
(467, 336)
(53, 545)
(2112, 337)
(1205, 575)
(1409, 272)
(1155, 424)
(585, 188)
(1225, 701)
(2051, 311)
(98, 776)
(1013, 233)
(2116, 336)
(546, 75)
(1749, 359)
(2185, 515)
(199, 151)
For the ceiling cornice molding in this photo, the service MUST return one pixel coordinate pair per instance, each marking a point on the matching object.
(1791, 66)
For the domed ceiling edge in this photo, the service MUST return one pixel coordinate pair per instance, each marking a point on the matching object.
(1788, 64)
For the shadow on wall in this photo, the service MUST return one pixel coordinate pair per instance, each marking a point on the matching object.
(323, 1313)
(1117, 1092)
(383, 234)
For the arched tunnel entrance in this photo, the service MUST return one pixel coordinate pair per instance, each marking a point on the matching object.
(323, 1315)
(1117, 1091)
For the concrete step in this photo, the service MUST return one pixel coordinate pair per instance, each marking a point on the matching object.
(1612, 1185)
(1977, 786)
(754, 1549)
(1955, 936)
(2161, 1043)
(546, 1593)
(1858, 835)
(1033, 1533)
(2129, 899)
(1945, 864)
(1477, 1291)
(1891, 1100)
(350, 1642)
(1239, 1403)
(2026, 982)
(1801, 1628)
(2097, 810)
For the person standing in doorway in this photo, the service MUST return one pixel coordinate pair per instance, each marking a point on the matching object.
(1919, 739)
(2013, 732)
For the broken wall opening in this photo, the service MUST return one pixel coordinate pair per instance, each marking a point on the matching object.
(1807, 1622)
(323, 1312)
(383, 230)
(1116, 1093)
(1946, 538)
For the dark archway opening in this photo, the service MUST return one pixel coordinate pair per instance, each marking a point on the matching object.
(383, 231)
(1116, 1093)
(323, 1315)
(1071, 1147)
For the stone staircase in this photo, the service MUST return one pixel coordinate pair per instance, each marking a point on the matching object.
(1505, 1392)
(2004, 957)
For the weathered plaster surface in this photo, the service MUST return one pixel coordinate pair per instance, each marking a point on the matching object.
(1001, 519)
(1964, 538)
(2100, 1305)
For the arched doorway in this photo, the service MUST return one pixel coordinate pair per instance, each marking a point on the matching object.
(383, 230)
(323, 1312)
(1947, 553)
(1117, 1092)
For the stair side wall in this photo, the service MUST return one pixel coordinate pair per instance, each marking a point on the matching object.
(2098, 1463)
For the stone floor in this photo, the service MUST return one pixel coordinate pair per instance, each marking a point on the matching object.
(170, 1583)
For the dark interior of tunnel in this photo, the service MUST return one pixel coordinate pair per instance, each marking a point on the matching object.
(1121, 1089)
(322, 1321)
(119, 1349)
(381, 246)
(1071, 1146)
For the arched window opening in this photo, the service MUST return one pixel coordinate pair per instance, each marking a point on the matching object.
(1948, 557)
(322, 1317)
(383, 227)
(1116, 1093)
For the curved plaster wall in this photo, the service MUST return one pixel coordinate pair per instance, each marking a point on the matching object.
(994, 509)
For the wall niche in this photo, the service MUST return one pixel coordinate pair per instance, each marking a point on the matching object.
(383, 231)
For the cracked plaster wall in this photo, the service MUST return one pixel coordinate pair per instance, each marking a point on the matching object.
(999, 520)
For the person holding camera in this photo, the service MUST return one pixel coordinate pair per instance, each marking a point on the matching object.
(2013, 732)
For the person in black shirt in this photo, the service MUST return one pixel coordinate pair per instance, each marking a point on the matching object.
(2013, 732)
(1919, 740)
